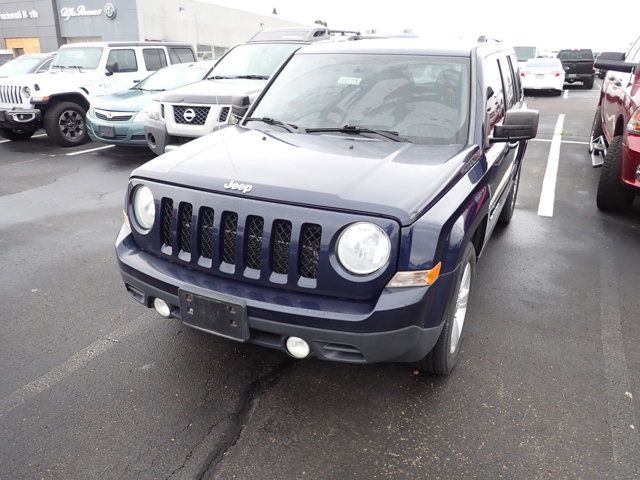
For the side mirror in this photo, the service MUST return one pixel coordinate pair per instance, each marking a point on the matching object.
(614, 61)
(517, 125)
(111, 68)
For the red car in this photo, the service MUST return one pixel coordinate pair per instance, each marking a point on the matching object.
(615, 135)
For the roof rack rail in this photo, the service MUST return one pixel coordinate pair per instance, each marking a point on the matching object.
(344, 33)
(485, 39)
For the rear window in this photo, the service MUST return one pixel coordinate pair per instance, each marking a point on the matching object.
(154, 59)
(543, 62)
(583, 54)
(181, 55)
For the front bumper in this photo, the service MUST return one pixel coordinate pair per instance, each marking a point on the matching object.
(19, 118)
(400, 325)
(126, 133)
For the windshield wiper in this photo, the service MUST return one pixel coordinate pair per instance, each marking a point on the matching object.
(357, 130)
(289, 127)
(243, 77)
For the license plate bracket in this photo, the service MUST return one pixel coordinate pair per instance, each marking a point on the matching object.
(106, 132)
(215, 315)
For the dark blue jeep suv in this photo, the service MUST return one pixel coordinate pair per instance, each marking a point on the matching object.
(343, 216)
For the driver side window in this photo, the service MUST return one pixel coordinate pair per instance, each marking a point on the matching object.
(126, 60)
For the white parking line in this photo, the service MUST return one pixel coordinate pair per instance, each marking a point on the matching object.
(72, 364)
(35, 136)
(575, 142)
(565, 95)
(548, 193)
(89, 151)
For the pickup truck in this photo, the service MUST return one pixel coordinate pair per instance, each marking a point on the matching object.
(615, 134)
(578, 66)
(59, 99)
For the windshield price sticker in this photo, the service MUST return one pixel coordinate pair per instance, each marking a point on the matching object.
(349, 81)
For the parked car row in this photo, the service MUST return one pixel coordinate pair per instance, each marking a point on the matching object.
(94, 90)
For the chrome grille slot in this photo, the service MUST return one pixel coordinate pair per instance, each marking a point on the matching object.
(186, 214)
(309, 257)
(253, 241)
(167, 217)
(206, 232)
(280, 243)
(229, 234)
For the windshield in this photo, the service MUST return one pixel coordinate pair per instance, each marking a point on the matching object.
(86, 58)
(256, 59)
(583, 54)
(20, 65)
(173, 77)
(424, 99)
(525, 53)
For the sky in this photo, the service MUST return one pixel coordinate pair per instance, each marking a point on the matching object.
(547, 24)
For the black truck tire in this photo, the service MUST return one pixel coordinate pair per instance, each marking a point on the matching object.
(612, 195)
(65, 124)
(588, 84)
(441, 360)
(16, 135)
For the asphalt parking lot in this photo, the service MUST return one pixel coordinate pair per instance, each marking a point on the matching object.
(95, 386)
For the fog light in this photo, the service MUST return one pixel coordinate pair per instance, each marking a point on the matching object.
(297, 347)
(638, 173)
(161, 307)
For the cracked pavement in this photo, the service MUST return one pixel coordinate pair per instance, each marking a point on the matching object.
(529, 399)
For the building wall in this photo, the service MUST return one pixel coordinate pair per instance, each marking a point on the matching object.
(43, 27)
(124, 26)
(201, 23)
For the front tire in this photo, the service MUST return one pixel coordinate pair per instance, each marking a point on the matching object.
(612, 194)
(16, 135)
(442, 359)
(65, 124)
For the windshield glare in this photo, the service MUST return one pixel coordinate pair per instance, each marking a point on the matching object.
(20, 65)
(525, 53)
(173, 77)
(423, 98)
(86, 58)
(253, 59)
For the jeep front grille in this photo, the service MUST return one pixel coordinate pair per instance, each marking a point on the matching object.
(188, 115)
(11, 94)
(219, 243)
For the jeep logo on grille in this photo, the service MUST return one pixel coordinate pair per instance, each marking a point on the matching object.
(189, 115)
(241, 187)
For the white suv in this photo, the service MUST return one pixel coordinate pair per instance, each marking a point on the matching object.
(58, 100)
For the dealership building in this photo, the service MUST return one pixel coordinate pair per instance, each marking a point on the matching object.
(33, 26)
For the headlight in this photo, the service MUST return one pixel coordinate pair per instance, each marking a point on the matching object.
(633, 127)
(364, 248)
(26, 92)
(92, 111)
(144, 207)
(151, 111)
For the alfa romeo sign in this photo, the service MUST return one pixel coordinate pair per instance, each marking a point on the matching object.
(82, 11)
